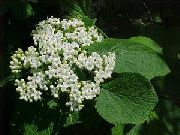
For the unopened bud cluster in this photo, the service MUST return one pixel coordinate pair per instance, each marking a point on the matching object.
(58, 48)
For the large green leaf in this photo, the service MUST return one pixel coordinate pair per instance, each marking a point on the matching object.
(132, 57)
(129, 98)
(147, 42)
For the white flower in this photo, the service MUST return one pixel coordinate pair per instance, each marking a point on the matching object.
(17, 59)
(90, 90)
(28, 91)
(50, 63)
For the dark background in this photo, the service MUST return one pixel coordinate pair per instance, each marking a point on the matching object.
(156, 19)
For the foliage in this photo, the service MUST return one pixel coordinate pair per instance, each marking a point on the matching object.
(33, 130)
(117, 130)
(148, 42)
(126, 96)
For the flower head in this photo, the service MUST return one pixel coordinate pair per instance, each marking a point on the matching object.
(58, 48)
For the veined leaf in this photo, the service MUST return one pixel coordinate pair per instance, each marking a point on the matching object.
(129, 98)
(147, 42)
(132, 57)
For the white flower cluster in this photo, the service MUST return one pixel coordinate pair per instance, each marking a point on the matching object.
(58, 48)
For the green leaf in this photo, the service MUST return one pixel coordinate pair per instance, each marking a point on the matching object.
(129, 98)
(52, 104)
(136, 130)
(88, 22)
(152, 117)
(147, 42)
(73, 118)
(178, 56)
(157, 19)
(117, 130)
(132, 57)
(29, 10)
(22, 10)
(78, 10)
(33, 130)
(74, 9)
(85, 5)
(8, 79)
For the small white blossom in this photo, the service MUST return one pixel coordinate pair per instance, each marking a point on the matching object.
(89, 90)
(17, 59)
